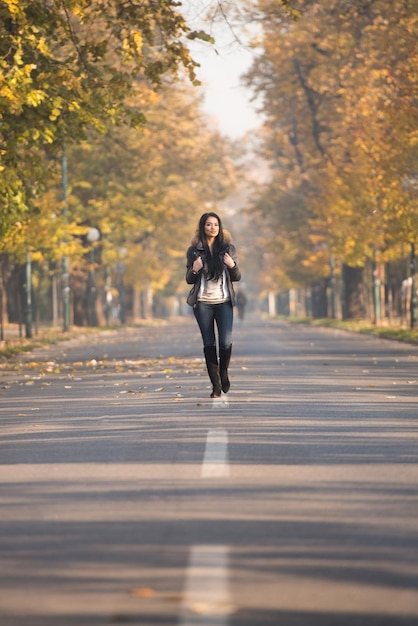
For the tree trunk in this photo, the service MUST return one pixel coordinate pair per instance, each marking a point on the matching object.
(353, 291)
(79, 296)
(320, 299)
(3, 294)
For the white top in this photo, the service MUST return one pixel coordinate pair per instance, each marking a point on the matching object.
(214, 291)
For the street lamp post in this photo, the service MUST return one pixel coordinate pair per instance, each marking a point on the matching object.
(413, 288)
(28, 308)
(332, 284)
(376, 291)
(120, 271)
(65, 261)
(92, 236)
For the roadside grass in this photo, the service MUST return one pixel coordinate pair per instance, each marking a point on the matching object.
(395, 332)
(14, 345)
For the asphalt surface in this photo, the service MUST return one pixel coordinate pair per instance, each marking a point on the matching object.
(128, 496)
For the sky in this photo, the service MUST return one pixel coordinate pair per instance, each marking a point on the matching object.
(225, 100)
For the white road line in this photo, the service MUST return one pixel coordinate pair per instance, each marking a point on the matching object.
(215, 461)
(206, 599)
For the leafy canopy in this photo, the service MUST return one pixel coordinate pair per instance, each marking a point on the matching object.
(69, 65)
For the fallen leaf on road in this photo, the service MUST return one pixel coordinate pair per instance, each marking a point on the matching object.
(143, 592)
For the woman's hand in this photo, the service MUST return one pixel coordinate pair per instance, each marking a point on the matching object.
(197, 265)
(229, 261)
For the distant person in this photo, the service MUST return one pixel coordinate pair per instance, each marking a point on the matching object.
(212, 267)
(241, 304)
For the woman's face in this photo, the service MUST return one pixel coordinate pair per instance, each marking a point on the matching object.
(211, 227)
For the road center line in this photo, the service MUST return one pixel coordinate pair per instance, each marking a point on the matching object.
(206, 599)
(215, 460)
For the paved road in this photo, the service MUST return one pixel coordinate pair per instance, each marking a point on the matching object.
(128, 496)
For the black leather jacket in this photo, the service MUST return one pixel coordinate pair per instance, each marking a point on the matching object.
(233, 274)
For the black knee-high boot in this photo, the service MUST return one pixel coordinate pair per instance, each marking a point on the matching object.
(213, 370)
(224, 359)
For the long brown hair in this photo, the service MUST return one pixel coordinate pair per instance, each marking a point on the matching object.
(214, 262)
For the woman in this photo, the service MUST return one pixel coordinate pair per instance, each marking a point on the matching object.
(212, 267)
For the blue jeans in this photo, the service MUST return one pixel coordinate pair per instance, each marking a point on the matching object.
(207, 314)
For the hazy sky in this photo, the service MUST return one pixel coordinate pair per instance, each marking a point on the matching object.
(225, 99)
(221, 66)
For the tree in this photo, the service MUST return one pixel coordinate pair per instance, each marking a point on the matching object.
(144, 190)
(337, 89)
(70, 65)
